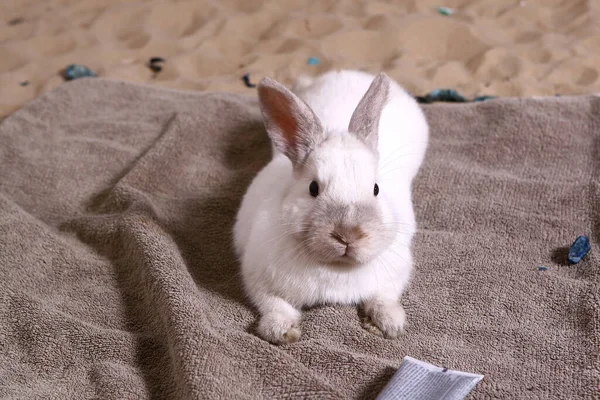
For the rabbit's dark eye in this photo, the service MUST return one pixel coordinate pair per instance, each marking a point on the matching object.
(314, 189)
(376, 190)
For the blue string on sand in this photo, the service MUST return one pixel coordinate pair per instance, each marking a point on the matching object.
(313, 61)
(542, 268)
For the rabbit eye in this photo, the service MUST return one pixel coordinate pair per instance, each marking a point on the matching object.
(376, 190)
(314, 189)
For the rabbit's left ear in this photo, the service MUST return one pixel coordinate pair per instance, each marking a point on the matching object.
(291, 124)
(365, 119)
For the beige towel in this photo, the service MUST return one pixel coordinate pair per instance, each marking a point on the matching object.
(118, 278)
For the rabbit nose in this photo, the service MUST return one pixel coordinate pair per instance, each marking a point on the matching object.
(339, 238)
(347, 235)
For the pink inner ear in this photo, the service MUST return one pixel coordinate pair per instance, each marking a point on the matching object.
(280, 110)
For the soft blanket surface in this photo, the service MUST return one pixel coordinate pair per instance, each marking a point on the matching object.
(119, 280)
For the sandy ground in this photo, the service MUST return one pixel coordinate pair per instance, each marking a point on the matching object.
(487, 47)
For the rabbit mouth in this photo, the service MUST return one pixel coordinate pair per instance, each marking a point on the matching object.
(342, 255)
(344, 262)
(349, 258)
(341, 245)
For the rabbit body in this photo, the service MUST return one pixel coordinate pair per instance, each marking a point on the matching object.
(330, 219)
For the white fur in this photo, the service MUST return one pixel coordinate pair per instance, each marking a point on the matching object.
(278, 278)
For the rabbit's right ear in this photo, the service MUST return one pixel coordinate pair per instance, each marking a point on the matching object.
(291, 124)
(365, 119)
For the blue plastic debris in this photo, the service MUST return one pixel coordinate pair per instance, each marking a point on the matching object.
(313, 61)
(448, 95)
(156, 68)
(579, 249)
(484, 98)
(155, 64)
(542, 268)
(445, 11)
(246, 79)
(76, 71)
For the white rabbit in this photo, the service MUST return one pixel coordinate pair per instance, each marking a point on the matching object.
(330, 218)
